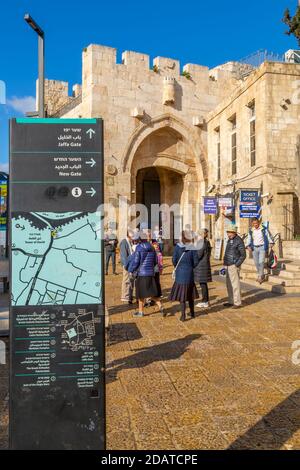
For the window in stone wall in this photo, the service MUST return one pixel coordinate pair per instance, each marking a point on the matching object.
(251, 107)
(252, 143)
(233, 154)
(217, 130)
(232, 121)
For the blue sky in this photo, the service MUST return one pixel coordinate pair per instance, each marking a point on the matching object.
(196, 31)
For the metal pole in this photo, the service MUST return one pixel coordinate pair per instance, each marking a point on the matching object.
(41, 55)
(41, 91)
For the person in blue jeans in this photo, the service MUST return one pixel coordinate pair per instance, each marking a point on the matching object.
(258, 242)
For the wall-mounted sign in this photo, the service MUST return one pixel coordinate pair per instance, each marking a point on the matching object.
(225, 201)
(57, 295)
(210, 205)
(249, 196)
(249, 211)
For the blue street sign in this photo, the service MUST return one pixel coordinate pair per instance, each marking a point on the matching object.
(249, 215)
(210, 205)
(249, 196)
(249, 208)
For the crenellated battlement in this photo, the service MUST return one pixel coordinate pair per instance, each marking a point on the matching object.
(130, 59)
(141, 79)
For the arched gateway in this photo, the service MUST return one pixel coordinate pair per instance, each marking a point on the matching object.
(167, 167)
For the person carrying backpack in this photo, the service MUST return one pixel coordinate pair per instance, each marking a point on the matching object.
(258, 242)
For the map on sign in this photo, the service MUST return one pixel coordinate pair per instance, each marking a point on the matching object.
(79, 329)
(53, 258)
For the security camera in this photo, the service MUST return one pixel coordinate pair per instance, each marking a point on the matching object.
(210, 188)
(265, 195)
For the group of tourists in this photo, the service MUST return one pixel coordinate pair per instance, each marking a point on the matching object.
(142, 265)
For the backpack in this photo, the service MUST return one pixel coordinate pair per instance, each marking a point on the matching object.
(272, 260)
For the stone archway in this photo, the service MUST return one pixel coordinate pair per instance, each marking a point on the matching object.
(164, 149)
(189, 135)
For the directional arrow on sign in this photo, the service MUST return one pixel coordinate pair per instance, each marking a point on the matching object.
(90, 132)
(91, 162)
(92, 192)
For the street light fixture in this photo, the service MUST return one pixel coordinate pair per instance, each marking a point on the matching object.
(41, 55)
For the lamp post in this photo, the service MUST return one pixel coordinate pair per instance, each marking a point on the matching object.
(41, 67)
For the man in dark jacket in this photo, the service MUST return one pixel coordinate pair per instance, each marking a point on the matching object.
(110, 244)
(235, 255)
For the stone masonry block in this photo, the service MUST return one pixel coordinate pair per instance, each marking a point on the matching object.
(135, 59)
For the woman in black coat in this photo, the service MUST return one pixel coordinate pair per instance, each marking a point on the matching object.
(202, 272)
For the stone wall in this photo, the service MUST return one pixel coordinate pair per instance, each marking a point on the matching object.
(274, 89)
(159, 114)
(131, 98)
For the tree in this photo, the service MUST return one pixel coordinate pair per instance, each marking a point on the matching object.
(293, 22)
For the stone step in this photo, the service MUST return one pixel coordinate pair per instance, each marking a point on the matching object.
(275, 288)
(285, 282)
(292, 266)
(278, 289)
(249, 276)
(244, 275)
(291, 251)
(289, 274)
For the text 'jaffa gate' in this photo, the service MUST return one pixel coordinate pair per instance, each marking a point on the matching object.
(57, 295)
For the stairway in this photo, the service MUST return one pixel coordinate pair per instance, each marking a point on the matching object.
(285, 279)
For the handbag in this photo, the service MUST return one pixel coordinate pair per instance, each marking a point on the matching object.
(174, 270)
(272, 260)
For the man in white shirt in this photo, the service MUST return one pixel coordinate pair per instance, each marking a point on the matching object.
(258, 242)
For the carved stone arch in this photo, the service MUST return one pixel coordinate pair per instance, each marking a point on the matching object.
(189, 135)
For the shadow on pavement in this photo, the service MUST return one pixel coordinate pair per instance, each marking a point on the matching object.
(274, 429)
(168, 351)
(120, 332)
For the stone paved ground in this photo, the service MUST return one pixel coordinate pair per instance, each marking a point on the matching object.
(225, 379)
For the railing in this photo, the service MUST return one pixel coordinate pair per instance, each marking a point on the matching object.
(68, 106)
(288, 222)
(277, 239)
(257, 58)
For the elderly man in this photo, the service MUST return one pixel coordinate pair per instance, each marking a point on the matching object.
(258, 242)
(126, 250)
(235, 255)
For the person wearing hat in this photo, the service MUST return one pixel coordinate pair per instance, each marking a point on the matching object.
(235, 255)
(202, 272)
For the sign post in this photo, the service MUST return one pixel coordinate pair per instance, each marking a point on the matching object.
(57, 298)
(249, 203)
(210, 205)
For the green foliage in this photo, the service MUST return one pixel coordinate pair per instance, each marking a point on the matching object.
(186, 75)
(293, 22)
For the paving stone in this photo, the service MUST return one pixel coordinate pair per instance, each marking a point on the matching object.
(223, 380)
